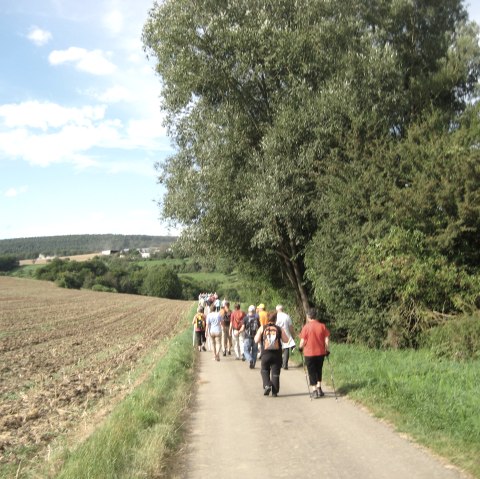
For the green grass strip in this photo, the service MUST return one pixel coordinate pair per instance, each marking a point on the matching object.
(436, 402)
(144, 430)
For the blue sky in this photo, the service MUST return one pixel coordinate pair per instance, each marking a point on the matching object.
(80, 123)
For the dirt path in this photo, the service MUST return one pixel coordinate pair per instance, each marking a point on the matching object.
(236, 432)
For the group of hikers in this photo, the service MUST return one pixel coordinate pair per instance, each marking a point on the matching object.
(268, 336)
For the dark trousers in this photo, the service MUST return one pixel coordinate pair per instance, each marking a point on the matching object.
(285, 357)
(270, 369)
(314, 367)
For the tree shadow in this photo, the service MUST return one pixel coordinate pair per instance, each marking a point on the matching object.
(344, 389)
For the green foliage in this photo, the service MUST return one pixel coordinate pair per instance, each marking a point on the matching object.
(401, 274)
(329, 124)
(103, 289)
(457, 338)
(70, 280)
(52, 270)
(162, 282)
(8, 263)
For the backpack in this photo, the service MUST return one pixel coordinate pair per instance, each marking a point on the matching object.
(226, 318)
(252, 326)
(271, 338)
(199, 321)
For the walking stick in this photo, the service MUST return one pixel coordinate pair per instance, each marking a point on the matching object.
(306, 375)
(331, 376)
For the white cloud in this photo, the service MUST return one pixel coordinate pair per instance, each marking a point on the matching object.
(45, 115)
(12, 192)
(94, 61)
(115, 94)
(38, 36)
(46, 133)
(113, 21)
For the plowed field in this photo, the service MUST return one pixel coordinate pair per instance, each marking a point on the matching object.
(63, 352)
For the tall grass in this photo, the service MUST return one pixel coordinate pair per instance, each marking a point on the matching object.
(144, 431)
(437, 402)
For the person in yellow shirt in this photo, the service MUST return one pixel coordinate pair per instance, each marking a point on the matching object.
(262, 314)
(263, 318)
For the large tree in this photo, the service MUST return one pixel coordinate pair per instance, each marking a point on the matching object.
(268, 101)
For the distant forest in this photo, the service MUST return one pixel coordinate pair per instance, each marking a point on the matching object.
(29, 248)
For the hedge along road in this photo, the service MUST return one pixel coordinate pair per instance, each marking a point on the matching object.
(237, 432)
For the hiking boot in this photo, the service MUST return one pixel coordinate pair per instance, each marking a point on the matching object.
(266, 390)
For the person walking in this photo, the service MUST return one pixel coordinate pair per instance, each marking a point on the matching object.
(263, 318)
(214, 331)
(250, 326)
(226, 314)
(314, 340)
(236, 321)
(199, 323)
(286, 323)
(271, 336)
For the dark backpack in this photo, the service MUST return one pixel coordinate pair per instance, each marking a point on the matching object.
(226, 318)
(199, 322)
(271, 338)
(252, 325)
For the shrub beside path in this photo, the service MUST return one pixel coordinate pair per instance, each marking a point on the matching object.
(236, 432)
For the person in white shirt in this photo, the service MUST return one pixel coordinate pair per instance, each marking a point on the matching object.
(286, 323)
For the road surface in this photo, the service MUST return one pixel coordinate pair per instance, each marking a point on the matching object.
(237, 432)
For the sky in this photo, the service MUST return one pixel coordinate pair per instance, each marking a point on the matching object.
(80, 120)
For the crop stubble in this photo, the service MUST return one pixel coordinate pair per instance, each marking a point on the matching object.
(61, 351)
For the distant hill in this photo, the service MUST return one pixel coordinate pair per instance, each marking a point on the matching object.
(28, 248)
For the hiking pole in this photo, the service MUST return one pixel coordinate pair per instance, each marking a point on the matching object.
(331, 375)
(306, 375)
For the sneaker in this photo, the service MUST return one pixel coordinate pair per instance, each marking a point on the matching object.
(274, 395)
(315, 394)
(204, 348)
(252, 364)
(229, 353)
(243, 357)
(266, 390)
(320, 393)
(224, 353)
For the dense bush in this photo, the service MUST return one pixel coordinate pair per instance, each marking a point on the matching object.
(70, 280)
(8, 263)
(457, 338)
(162, 282)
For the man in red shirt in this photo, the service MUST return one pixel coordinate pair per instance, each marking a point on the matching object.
(236, 322)
(314, 342)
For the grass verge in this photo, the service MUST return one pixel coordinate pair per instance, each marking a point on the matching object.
(436, 402)
(145, 430)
